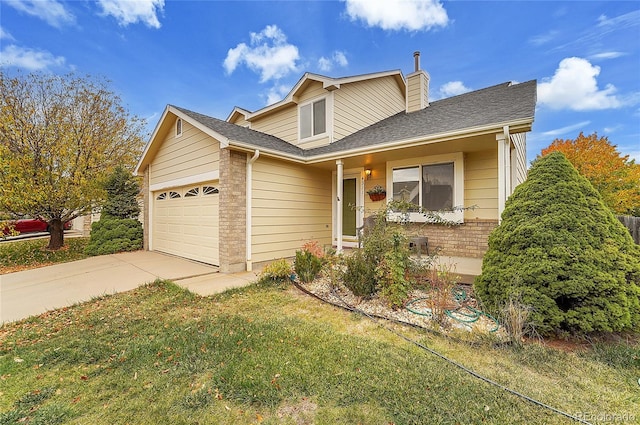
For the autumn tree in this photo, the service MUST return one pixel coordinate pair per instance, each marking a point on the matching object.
(60, 137)
(616, 177)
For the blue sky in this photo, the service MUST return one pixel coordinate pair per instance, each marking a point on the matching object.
(210, 56)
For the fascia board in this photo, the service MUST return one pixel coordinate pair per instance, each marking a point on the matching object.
(224, 141)
(143, 157)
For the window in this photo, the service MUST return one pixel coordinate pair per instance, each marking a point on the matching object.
(192, 192)
(209, 190)
(174, 195)
(162, 196)
(313, 119)
(433, 183)
(179, 127)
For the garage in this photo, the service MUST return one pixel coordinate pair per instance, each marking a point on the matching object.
(185, 222)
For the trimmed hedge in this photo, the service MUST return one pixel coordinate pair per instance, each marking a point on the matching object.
(564, 253)
(111, 235)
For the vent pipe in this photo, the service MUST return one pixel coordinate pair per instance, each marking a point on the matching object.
(416, 60)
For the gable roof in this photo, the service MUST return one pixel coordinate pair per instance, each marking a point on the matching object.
(477, 112)
(492, 107)
(328, 83)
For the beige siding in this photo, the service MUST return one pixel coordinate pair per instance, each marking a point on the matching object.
(312, 90)
(481, 184)
(378, 177)
(417, 91)
(291, 206)
(358, 105)
(519, 140)
(192, 153)
(282, 124)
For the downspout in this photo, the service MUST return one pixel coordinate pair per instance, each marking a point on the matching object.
(339, 190)
(250, 161)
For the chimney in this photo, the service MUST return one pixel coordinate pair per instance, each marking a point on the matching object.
(417, 96)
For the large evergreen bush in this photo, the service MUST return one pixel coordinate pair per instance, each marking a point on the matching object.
(111, 235)
(118, 229)
(564, 253)
(122, 191)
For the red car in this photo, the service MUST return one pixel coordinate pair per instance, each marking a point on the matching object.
(30, 225)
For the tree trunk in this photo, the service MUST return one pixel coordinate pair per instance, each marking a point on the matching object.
(56, 234)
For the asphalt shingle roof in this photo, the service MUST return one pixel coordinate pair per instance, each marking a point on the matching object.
(498, 104)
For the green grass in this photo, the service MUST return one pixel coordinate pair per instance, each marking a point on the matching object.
(24, 254)
(160, 354)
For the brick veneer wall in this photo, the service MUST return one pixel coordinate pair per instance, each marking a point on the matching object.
(233, 206)
(466, 240)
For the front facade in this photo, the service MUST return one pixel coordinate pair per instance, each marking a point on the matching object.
(257, 186)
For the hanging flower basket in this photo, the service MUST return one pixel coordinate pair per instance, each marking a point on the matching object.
(377, 193)
(377, 196)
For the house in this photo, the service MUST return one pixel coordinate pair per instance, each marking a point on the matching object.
(256, 186)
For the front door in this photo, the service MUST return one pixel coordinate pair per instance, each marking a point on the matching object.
(349, 207)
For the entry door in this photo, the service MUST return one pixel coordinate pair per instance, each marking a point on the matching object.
(349, 207)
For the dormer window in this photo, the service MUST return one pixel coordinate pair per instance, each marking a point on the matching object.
(178, 127)
(313, 118)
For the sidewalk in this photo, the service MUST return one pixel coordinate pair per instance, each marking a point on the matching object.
(36, 291)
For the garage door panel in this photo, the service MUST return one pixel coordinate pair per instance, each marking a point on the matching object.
(187, 226)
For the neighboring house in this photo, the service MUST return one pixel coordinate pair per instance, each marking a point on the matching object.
(259, 185)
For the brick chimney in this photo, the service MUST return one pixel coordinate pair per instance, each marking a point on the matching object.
(417, 87)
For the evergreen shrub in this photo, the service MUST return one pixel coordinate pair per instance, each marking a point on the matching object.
(564, 254)
(111, 235)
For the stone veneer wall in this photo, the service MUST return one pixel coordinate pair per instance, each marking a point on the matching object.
(467, 240)
(233, 207)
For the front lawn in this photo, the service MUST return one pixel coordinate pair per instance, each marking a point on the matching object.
(160, 354)
(28, 254)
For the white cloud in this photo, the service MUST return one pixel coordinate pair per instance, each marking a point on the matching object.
(5, 35)
(453, 88)
(606, 55)
(574, 86)
(337, 58)
(540, 39)
(268, 54)
(50, 11)
(30, 59)
(277, 93)
(396, 15)
(132, 11)
(567, 129)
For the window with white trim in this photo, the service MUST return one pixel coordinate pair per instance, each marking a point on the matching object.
(434, 183)
(174, 195)
(162, 196)
(178, 127)
(313, 118)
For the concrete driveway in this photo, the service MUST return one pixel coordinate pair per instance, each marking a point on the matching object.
(36, 291)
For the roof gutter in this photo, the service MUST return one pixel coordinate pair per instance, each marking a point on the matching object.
(515, 126)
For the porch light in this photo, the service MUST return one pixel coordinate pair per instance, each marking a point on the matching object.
(367, 173)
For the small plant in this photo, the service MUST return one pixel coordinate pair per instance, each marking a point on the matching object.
(359, 276)
(443, 280)
(278, 272)
(309, 262)
(515, 319)
(393, 278)
(376, 190)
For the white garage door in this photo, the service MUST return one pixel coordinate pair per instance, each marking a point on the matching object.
(185, 222)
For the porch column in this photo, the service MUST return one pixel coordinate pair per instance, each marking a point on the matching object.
(504, 169)
(339, 184)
